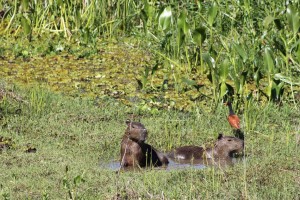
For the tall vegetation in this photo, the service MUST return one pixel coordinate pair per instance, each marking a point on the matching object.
(245, 49)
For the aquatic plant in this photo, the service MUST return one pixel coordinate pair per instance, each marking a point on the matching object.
(239, 47)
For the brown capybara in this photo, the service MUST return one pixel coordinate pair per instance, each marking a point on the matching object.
(134, 150)
(224, 148)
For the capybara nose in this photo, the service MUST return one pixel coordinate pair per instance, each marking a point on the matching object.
(143, 135)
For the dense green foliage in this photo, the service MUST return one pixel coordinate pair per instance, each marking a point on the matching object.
(246, 49)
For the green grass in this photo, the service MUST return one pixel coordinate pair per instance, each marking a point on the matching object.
(74, 137)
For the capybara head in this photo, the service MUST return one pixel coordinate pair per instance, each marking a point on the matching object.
(136, 131)
(229, 145)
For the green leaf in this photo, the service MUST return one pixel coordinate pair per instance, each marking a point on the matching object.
(199, 35)
(78, 179)
(66, 183)
(25, 24)
(293, 18)
(269, 19)
(269, 62)
(257, 77)
(25, 4)
(182, 24)
(165, 19)
(78, 18)
(212, 13)
(189, 82)
(59, 2)
(237, 82)
(285, 79)
(154, 69)
(183, 28)
(180, 37)
(86, 35)
(277, 88)
(279, 44)
(268, 89)
(146, 14)
(240, 51)
(223, 89)
(144, 17)
(242, 78)
(209, 60)
(224, 70)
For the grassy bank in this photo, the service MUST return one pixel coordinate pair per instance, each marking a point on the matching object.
(75, 137)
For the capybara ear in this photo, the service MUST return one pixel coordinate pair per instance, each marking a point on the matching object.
(220, 136)
(128, 122)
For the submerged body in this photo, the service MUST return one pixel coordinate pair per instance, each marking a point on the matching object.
(135, 152)
(225, 147)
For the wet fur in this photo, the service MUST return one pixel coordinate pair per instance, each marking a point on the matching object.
(224, 148)
(134, 150)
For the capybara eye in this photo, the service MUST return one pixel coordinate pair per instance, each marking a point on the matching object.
(229, 140)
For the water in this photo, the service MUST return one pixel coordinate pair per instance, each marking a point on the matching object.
(179, 165)
(115, 166)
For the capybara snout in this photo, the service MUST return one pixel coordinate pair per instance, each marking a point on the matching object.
(230, 144)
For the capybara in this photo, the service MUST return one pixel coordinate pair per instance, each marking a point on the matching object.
(134, 150)
(224, 148)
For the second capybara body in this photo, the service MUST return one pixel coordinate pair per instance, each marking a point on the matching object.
(224, 148)
(134, 150)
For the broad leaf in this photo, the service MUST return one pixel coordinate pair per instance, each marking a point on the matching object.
(268, 89)
(165, 19)
(146, 13)
(240, 51)
(257, 77)
(212, 13)
(25, 4)
(182, 24)
(293, 18)
(199, 35)
(224, 70)
(25, 24)
(269, 61)
(180, 37)
(209, 60)
(183, 28)
(269, 19)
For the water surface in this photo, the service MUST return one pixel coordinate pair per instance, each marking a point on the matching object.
(179, 165)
